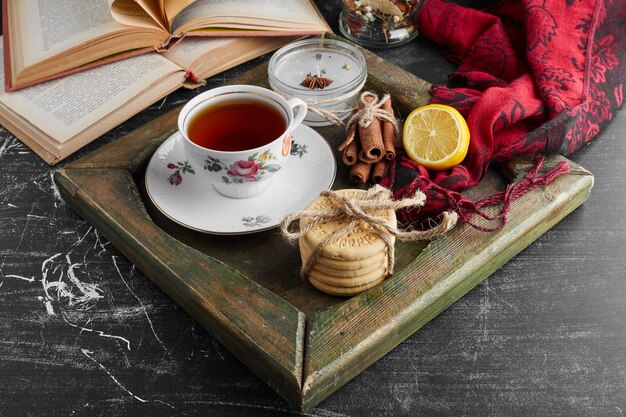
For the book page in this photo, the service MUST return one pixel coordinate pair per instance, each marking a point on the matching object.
(188, 50)
(206, 56)
(228, 11)
(48, 27)
(173, 7)
(140, 13)
(147, 12)
(64, 107)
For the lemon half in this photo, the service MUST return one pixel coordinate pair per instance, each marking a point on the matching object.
(436, 136)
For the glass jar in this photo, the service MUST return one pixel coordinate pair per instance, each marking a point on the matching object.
(338, 62)
(379, 23)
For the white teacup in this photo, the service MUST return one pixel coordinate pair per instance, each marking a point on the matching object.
(234, 154)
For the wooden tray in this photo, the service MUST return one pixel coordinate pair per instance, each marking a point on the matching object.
(245, 290)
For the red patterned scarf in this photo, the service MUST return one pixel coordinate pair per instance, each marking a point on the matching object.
(537, 76)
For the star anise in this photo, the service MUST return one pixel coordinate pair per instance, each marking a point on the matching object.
(315, 81)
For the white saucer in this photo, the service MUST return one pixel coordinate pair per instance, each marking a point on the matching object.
(182, 196)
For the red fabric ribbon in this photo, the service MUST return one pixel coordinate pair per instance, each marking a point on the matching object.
(189, 75)
(534, 76)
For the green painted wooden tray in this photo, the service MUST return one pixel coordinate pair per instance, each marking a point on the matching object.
(303, 343)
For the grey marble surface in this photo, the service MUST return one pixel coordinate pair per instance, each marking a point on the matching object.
(544, 335)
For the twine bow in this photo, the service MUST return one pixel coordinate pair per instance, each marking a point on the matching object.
(352, 210)
(370, 108)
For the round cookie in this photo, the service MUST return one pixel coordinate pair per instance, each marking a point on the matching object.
(360, 243)
(348, 273)
(349, 282)
(305, 252)
(344, 291)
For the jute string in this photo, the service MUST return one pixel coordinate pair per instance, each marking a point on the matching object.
(370, 110)
(353, 210)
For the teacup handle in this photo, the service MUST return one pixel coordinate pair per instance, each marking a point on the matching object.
(301, 114)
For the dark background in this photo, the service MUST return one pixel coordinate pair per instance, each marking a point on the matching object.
(544, 335)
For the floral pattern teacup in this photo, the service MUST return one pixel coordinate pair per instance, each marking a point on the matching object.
(241, 174)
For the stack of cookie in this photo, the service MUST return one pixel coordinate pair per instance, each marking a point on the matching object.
(351, 264)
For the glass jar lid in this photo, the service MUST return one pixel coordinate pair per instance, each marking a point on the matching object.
(334, 60)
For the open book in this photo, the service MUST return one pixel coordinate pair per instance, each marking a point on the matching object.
(44, 39)
(58, 117)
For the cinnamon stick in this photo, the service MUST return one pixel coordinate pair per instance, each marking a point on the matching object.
(349, 138)
(389, 132)
(380, 170)
(360, 172)
(371, 140)
(350, 154)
